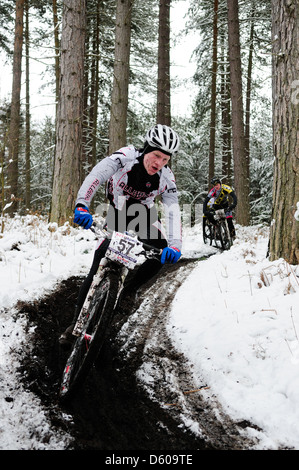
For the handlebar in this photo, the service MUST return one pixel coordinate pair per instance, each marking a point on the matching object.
(106, 232)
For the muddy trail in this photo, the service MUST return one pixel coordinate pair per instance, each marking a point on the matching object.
(114, 410)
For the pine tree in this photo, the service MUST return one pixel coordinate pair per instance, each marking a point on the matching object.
(70, 112)
(284, 239)
(14, 128)
(120, 90)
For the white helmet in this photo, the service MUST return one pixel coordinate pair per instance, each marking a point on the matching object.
(163, 138)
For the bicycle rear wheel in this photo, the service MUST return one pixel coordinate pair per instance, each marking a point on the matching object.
(88, 345)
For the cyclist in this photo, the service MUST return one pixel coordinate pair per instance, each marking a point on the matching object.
(135, 177)
(221, 196)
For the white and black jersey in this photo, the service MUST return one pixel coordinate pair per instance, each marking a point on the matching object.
(132, 190)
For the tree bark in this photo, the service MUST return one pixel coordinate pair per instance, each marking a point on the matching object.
(226, 124)
(56, 44)
(28, 117)
(70, 112)
(241, 174)
(14, 130)
(119, 97)
(95, 94)
(284, 236)
(248, 87)
(213, 95)
(163, 83)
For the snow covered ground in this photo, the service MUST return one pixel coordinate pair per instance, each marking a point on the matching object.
(236, 318)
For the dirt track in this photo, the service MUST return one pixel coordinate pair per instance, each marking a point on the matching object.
(114, 411)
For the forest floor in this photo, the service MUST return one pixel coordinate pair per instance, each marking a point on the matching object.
(114, 410)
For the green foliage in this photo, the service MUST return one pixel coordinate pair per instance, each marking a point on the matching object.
(6, 26)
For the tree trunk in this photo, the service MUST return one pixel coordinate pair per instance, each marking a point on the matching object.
(163, 83)
(119, 97)
(284, 237)
(14, 130)
(213, 95)
(225, 110)
(241, 175)
(226, 125)
(56, 44)
(70, 112)
(248, 87)
(27, 137)
(95, 94)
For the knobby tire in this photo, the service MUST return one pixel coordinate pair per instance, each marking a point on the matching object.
(84, 352)
(224, 238)
(206, 230)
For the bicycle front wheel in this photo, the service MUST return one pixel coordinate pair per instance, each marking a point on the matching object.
(88, 345)
(223, 236)
(206, 231)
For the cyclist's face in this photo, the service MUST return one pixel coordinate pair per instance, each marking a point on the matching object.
(154, 161)
(217, 186)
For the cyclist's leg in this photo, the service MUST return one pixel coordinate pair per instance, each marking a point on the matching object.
(153, 236)
(147, 270)
(210, 216)
(231, 226)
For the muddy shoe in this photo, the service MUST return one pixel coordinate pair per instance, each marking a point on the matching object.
(66, 340)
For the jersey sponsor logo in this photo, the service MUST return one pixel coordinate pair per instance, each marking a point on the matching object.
(133, 192)
(91, 189)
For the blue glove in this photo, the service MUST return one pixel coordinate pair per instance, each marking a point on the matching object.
(170, 255)
(83, 217)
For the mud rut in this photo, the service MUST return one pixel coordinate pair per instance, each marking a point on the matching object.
(114, 411)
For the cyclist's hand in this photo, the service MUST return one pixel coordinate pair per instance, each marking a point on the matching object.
(83, 217)
(170, 255)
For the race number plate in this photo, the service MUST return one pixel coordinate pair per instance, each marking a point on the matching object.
(124, 249)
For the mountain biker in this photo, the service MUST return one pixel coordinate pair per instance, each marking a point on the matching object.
(221, 196)
(135, 177)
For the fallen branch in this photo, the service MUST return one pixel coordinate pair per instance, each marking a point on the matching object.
(196, 390)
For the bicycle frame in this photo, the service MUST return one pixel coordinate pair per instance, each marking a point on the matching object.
(113, 259)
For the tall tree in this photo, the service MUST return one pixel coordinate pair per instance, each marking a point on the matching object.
(56, 45)
(241, 168)
(14, 129)
(70, 111)
(27, 118)
(249, 83)
(284, 238)
(119, 97)
(225, 116)
(94, 85)
(163, 93)
(213, 94)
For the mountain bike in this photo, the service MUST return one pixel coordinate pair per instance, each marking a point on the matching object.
(218, 234)
(123, 254)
